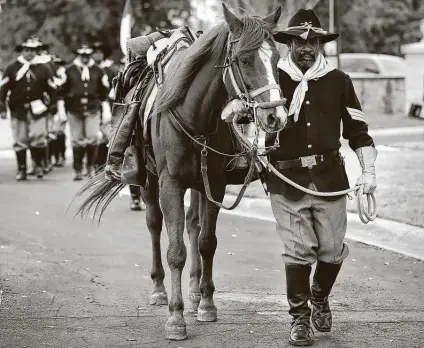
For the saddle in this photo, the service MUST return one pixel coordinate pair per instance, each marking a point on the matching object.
(135, 90)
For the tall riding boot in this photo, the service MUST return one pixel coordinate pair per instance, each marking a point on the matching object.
(38, 156)
(91, 154)
(54, 153)
(324, 278)
(298, 295)
(136, 203)
(78, 156)
(45, 161)
(61, 146)
(22, 166)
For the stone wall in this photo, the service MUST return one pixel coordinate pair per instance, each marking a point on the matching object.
(381, 95)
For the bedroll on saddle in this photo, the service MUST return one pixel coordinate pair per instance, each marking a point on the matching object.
(125, 162)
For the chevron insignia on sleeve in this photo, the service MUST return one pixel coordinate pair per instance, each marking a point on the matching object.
(356, 114)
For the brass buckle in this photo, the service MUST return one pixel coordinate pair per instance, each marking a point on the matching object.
(308, 161)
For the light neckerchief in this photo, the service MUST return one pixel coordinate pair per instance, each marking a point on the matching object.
(85, 73)
(26, 65)
(320, 68)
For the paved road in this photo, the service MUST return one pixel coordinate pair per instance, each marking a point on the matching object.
(68, 283)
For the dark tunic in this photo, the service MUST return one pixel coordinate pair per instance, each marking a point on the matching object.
(37, 83)
(329, 101)
(83, 96)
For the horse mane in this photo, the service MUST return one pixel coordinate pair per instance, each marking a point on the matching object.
(209, 46)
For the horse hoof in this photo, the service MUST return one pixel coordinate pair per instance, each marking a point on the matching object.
(159, 299)
(175, 332)
(207, 315)
(193, 301)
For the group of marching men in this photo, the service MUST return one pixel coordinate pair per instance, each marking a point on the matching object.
(43, 94)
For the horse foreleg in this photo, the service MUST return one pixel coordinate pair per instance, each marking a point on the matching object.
(172, 203)
(154, 219)
(193, 230)
(207, 246)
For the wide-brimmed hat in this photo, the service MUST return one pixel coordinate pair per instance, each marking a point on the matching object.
(84, 50)
(32, 42)
(306, 25)
(98, 45)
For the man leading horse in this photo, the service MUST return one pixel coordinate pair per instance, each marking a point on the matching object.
(313, 228)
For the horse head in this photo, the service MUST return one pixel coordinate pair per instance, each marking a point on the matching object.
(250, 69)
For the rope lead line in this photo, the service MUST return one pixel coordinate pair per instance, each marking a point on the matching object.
(365, 203)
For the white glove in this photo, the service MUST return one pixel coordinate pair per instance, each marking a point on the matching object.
(367, 156)
(61, 112)
(106, 112)
(235, 108)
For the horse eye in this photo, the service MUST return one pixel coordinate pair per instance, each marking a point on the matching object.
(244, 61)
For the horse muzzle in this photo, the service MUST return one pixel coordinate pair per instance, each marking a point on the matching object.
(272, 116)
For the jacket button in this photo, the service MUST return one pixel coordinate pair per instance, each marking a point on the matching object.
(308, 124)
(85, 84)
(28, 88)
(85, 93)
(307, 102)
(309, 146)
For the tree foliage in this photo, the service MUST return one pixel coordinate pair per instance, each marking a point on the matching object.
(377, 26)
(65, 24)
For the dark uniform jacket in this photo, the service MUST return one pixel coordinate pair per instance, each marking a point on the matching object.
(87, 95)
(329, 102)
(37, 83)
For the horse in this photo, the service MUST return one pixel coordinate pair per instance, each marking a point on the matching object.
(235, 59)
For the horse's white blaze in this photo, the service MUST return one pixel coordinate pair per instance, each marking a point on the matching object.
(265, 54)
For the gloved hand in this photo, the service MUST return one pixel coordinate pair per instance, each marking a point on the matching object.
(61, 112)
(235, 108)
(367, 156)
(106, 112)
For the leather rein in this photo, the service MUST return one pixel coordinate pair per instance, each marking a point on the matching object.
(232, 65)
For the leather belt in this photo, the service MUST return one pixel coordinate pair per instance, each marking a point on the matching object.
(306, 161)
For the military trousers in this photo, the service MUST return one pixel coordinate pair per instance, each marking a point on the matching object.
(311, 229)
(84, 128)
(29, 133)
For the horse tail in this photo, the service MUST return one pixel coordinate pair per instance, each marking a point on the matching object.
(101, 192)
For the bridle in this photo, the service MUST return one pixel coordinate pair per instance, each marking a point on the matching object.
(232, 65)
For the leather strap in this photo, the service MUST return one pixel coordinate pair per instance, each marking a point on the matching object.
(298, 163)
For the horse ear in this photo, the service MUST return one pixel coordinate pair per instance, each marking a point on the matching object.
(274, 17)
(232, 20)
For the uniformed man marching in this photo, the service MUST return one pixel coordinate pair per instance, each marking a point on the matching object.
(28, 89)
(84, 102)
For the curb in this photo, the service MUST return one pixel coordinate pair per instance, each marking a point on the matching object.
(386, 234)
